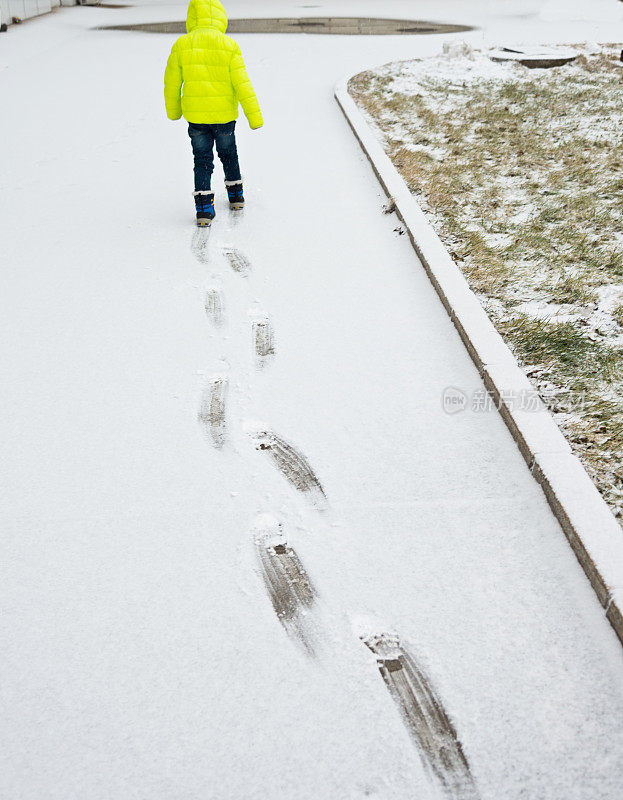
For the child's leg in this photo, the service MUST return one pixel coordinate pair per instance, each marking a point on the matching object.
(202, 142)
(225, 139)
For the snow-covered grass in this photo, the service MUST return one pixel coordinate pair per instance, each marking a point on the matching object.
(521, 172)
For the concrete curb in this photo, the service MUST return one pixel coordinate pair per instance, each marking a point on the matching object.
(592, 531)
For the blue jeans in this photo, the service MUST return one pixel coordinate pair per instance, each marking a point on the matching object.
(203, 138)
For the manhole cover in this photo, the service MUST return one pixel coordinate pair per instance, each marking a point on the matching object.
(534, 58)
(362, 26)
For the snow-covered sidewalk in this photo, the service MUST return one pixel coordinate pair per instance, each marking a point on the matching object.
(143, 655)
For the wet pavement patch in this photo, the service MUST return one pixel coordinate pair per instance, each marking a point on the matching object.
(293, 465)
(425, 717)
(212, 411)
(289, 588)
(349, 26)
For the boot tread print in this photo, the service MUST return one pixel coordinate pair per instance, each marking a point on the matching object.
(235, 194)
(204, 206)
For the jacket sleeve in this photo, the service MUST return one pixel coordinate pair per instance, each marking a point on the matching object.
(244, 90)
(173, 85)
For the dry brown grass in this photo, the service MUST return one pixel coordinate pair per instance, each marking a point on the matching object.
(522, 175)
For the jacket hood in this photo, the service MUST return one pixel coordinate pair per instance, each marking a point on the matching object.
(206, 14)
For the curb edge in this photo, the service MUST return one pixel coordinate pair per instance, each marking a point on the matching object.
(590, 527)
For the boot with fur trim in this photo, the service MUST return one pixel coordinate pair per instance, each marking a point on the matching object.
(235, 194)
(204, 205)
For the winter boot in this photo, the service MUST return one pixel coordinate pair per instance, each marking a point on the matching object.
(204, 203)
(234, 192)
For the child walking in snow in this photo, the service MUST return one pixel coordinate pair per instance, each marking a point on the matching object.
(209, 66)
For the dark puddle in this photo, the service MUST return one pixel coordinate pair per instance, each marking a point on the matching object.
(345, 26)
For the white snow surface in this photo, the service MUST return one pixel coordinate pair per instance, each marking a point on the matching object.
(141, 655)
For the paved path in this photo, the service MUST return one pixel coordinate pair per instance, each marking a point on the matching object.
(162, 480)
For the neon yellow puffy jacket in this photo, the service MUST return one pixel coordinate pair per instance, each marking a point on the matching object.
(206, 66)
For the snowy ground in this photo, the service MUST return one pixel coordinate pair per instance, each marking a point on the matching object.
(143, 657)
